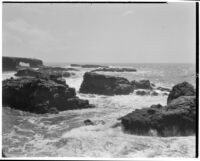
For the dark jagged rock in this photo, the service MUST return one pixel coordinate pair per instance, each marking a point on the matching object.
(177, 118)
(181, 89)
(142, 84)
(28, 72)
(40, 96)
(142, 93)
(12, 63)
(44, 72)
(107, 69)
(88, 122)
(94, 83)
(163, 89)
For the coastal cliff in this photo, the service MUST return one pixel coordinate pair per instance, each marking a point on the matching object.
(12, 63)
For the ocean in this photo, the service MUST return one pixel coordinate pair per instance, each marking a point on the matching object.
(65, 135)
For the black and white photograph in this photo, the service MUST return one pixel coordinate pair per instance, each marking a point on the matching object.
(99, 80)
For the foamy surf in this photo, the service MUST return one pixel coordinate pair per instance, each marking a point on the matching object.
(65, 134)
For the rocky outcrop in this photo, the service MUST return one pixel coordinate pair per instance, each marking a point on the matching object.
(93, 66)
(94, 83)
(13, 63)
(142, 93)
(146, 93)
(107, 69)
(28, 72)
(88, 122)
(154, 93)
(44, 72)
(181, 89)
(177, 118)
(88, 66)
(41, 96)
(142, 84)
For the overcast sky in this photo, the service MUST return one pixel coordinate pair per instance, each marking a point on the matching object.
(100, 33)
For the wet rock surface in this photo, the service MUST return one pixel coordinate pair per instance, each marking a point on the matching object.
(178, 118)
(181, 89)
(94, 83)
(142, 84)
(41, 96)
(44, 72)
(142, 93)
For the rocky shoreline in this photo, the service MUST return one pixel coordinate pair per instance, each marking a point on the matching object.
(13, 63)
(178, 118)
(43, 90)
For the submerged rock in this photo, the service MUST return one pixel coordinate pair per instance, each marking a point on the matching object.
(94, 83)
(107, 69)
(154, 93)
(88, 122)
(40, 95)
(163, 89)
(181, 89)
(142, 84)
(177, 118)
(142, 93)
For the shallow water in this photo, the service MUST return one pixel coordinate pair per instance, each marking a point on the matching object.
(64, 134)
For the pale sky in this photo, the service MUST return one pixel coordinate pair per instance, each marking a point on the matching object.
(101, 33)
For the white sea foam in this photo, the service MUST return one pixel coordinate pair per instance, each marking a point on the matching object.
(64, 134)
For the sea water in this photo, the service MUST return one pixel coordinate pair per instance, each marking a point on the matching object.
(65, 135)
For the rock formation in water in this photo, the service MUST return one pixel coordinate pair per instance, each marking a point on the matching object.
(142, 93)
(93, 66)
(181, 89)
(177, 118)
(142, 84)
(107, 85)
(12, 63)
(107, 69)
(163, 89)
(41, 96)
(44, 72)
(88, 66)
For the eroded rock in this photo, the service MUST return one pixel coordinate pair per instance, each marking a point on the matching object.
(94, 83)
